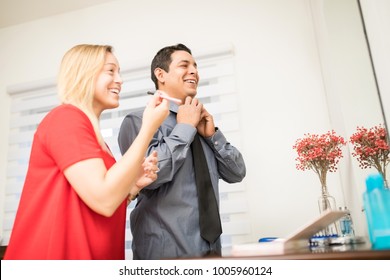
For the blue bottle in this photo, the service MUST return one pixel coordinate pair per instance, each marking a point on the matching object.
(346, 224)
(376, 201)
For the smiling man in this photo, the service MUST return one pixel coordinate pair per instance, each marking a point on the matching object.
(166, 220)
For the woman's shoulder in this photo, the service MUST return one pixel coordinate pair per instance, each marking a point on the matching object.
(65, 111)
(65, 108)
(62, 116)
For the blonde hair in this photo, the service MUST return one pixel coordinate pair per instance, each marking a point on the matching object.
(79, 69)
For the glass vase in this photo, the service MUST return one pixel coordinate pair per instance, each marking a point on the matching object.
(384, 180)
(327, 202)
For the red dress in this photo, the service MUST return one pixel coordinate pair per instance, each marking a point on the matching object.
(52, 222)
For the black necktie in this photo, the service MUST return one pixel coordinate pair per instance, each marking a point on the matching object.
(209, 220)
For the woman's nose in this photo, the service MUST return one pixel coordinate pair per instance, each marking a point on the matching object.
(118, 79)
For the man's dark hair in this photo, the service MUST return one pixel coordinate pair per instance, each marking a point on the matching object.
(163, 59)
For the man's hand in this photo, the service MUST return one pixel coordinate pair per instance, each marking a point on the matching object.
(190, 112)
(206, 126)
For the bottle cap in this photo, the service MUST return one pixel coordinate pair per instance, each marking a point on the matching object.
(374, 181)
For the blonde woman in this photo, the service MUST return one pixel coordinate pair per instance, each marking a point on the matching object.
(73, 204)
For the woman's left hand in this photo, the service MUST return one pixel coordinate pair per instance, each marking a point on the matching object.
(147, 175)
(148, 172)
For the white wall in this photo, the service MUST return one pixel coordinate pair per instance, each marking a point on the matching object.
(279, 78)
(377, 18)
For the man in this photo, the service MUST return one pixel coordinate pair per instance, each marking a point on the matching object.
(165, 222)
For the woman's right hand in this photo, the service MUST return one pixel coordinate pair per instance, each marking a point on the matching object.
(156, 111)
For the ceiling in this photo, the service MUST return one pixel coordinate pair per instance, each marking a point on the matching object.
(14, 12)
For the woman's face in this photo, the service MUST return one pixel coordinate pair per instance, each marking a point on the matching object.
(108, 85)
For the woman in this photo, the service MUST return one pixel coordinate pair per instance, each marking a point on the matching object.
(73, 204)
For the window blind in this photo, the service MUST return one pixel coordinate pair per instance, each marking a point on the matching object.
(217, 91)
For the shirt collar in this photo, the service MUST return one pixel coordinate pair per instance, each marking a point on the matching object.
(173, 107)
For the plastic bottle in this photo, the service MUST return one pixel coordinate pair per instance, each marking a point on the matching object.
(376, 201)
(346, 224)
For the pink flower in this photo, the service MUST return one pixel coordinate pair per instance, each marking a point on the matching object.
(320, 153)
(371, 148)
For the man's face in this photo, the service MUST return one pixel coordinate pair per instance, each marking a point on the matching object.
(182, 78)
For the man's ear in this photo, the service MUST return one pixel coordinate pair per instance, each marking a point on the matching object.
(160, 75)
